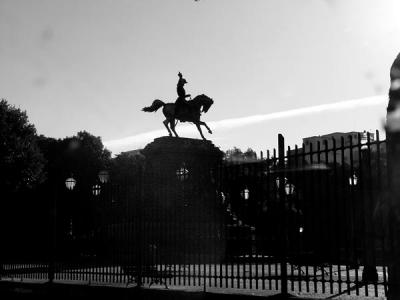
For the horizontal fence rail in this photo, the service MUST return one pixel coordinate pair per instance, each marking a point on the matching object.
(302, 220)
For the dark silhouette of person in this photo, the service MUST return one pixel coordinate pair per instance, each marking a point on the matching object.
(181, 103)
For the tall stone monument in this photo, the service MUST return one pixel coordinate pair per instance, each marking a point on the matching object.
(180, 198)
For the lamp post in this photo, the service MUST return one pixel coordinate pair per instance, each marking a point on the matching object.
(70, 185)
(370, 273)
(293, 231)
(353, 181)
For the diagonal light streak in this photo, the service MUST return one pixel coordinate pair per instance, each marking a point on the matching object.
(143, 138)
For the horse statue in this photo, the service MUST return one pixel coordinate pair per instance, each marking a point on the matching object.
(191, 113)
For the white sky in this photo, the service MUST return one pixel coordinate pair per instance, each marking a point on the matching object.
(92, 65)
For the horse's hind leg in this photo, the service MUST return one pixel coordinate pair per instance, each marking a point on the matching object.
(165, 122)
(199, 129)
(172, 125)
(208, 128)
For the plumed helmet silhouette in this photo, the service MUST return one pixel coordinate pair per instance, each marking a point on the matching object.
(181, 79)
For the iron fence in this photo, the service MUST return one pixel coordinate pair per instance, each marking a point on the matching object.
(302, 220)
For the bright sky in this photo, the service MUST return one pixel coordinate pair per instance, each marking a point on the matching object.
(93, 64)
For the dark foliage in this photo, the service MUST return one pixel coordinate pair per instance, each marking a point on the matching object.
(236, 154)
(125, 167)
(21, 162)
(81, 156)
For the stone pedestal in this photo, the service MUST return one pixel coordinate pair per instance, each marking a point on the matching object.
(180, 197)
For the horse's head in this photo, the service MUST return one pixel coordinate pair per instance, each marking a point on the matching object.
(206, 102)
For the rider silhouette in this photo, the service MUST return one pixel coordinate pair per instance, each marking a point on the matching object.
(181, 103)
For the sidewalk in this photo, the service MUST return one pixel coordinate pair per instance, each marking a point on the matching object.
(25, 290)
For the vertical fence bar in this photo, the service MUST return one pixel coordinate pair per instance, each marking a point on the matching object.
(337, 221)
(353, 216)
(305, 183)
(313, 218)
(53, 248)
(174, 247)
(237, 237)
(275, 248)
(282, 198)
(220, 237)
(381, 187)
(319, 216)
(266, 202)
(141, 201)
(347, 218)
(361, 208)
(290, 222)
(370, 274)
(253, 199)
(299, 211)
(330, 211)
(318, 264)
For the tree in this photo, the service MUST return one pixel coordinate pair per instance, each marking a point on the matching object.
(233, 153)
(126, 167)
(21, 162)
(21, 171)
(81, 156)
(236, 154)
(250, 154)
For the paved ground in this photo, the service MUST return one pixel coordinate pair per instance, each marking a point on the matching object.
(44, 291)
(215, 279)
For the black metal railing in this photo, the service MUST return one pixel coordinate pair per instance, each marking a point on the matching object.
(302, 220)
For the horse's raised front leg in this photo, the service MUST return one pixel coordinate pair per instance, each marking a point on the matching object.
(165, 122)
(172, 124)
(208, 128)
(199, 129)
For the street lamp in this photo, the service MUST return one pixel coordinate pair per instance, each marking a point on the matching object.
(245, 194)
(289, 188)
(70, 183)
(364, 140)
(104, 176)
(182, 173)
(96, 189)
(353, 180)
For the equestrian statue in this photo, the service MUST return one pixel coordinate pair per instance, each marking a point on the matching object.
(183, 110)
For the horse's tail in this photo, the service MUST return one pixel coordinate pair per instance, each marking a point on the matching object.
(154, 106)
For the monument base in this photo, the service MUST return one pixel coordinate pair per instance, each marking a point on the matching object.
(180, 198)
